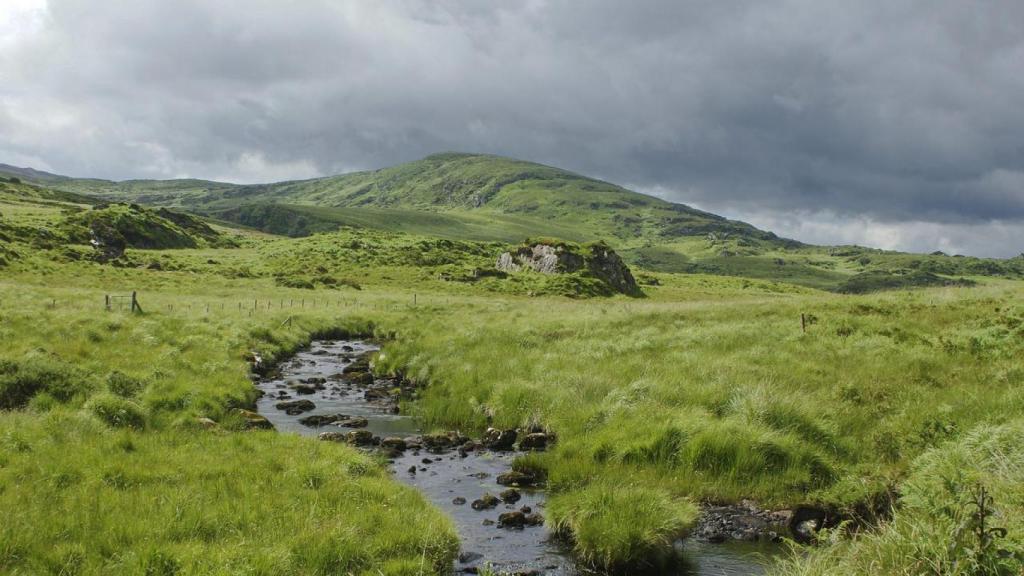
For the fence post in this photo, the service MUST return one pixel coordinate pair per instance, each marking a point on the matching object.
(135, 303)
(107, 296)
(803, 323)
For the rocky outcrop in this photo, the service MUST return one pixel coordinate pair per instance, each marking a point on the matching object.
(596, 260)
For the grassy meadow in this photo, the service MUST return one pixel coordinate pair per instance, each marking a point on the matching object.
(706, 390)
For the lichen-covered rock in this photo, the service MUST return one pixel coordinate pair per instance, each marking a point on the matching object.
(596, 260)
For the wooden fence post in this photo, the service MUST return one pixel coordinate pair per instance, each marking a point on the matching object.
(135, 303)
(107, 296)
(803, 323)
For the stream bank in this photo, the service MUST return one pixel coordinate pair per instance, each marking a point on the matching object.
(327, 391)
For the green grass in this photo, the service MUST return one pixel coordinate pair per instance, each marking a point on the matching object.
(934, 530)
(81, 498)
(621, 526)
(490, 198)
(706, 390)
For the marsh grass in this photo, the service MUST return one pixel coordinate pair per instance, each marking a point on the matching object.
(707, 390)
(81, 498)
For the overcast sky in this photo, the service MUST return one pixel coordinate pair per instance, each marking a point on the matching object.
(890, 123)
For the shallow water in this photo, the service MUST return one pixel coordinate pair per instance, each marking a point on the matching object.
(448, 476)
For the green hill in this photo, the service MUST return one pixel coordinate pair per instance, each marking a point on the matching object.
(491, 198)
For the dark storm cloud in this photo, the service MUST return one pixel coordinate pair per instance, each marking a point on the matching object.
(893, 123)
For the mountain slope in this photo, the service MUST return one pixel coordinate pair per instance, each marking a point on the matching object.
(502, 188)
(542, 199)
(491, 198)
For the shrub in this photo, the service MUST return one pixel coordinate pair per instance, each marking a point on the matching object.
(19, 382)
(123, 385)
(117, 412)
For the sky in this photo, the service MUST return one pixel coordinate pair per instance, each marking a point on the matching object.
(889, 123)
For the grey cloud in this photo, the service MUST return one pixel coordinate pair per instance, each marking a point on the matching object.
(886, 111)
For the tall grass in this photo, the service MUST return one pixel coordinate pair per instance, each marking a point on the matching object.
(935, 529)
(706, 391)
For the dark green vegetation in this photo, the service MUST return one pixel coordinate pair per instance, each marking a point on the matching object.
(706, 390)
(489, 198)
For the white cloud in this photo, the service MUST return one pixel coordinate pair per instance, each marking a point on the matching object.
(253, 167)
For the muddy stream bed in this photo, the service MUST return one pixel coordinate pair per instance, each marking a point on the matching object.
(325, 391)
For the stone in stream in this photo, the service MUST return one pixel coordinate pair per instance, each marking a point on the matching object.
(317, 420)
(361, 378)
(441, 442)
(501, 440)
(295, 407)
(488, 522)
(361, 364)
(458, 501)
(534, 441)
(303, 388)
(516, 478)
(254, 421)
(333, 436)
(486, 502)
(412, 470)
(353, 423)
(394, 443)
(510, 496)
(514, 519)
(347, 348)
(469, 557)
(360, 437)
(377, 394)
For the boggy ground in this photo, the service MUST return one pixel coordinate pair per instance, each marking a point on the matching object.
(707, 391)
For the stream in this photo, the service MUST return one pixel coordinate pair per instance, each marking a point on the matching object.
(450, 480)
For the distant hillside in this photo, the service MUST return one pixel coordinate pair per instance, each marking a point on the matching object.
(491, 198)
(539, 199)
(30, 174)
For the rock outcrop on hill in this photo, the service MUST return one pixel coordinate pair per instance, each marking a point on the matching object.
(596, 260)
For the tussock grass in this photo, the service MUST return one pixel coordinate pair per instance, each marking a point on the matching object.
(708, 390)
(621, 526)
(81, 498)
(932, 531)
